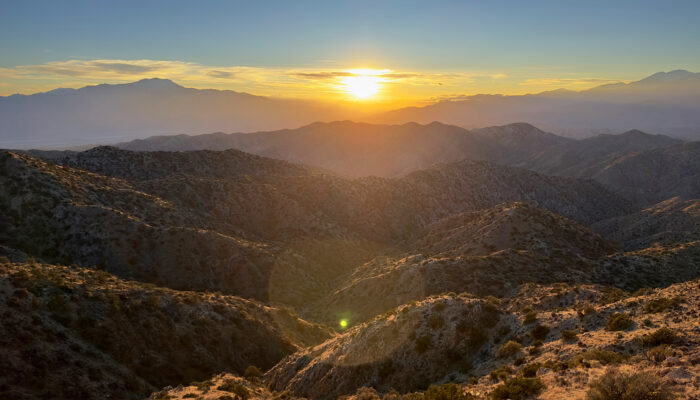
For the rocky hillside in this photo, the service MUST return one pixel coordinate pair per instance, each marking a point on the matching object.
(70, 332)
(656, 175)
(668, 222)
(563, 337)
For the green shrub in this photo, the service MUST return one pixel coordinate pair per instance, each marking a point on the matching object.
(436, 321)
(604, 356)
(540, 332)
(252, 372)
(659, 353)
(530, 370)
(501, 373)
(237, 388)
(662, 304)
(509, 349)
(615, 385)
(530, 318)
(568, 335)
(619, 322)
(448, 391)
(517, 389)
(423, 343)
(660, 336)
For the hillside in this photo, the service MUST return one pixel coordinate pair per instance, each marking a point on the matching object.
(357, 149)
(666, 103)
(667, 222)
(560, 335)
(70, 332)
(110, 113)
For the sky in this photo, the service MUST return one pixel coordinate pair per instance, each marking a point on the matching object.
(389, 52)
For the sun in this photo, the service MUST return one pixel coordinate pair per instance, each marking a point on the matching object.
(362, 83)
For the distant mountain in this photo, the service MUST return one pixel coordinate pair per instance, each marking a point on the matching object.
(112, 113)
(667, 103)
(360, 149)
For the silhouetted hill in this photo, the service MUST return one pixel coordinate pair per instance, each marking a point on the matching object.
(110, 113)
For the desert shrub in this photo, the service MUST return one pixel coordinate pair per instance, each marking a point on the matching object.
(615, 385)
(366, 393)
(659, 353)
(490, 314)
(501, 373)
(530, 370)
(588, 310)
(439, 306)
(568, 335)
(619, 322)
(530, 318)
(604, 356)
(613, 295)
(436, 321)
(237, 388)
(518, 388)
(386, 368)
(423, 343)
(475, 337)
(660, 336)
(252, 372)
(540, 332)
(662, 304)
(509, 349)
(448, 391)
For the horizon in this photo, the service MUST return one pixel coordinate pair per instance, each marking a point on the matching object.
(379, 56)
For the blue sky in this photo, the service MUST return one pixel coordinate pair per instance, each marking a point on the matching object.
(616, 40)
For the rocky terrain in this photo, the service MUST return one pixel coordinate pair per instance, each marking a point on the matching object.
(225, 275)
(70, 332)
(641, 167)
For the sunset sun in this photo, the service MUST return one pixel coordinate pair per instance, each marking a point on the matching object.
(363, 83)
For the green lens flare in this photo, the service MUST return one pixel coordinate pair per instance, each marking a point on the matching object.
(343, 323)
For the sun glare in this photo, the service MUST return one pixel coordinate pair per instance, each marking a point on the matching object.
(363, 83)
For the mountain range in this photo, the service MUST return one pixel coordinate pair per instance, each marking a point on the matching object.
(214, 273)
(665, 102)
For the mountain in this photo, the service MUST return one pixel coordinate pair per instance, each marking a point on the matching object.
(554, 341)
(670, 221)
(125, 271)
(359, 149)
(71, 332)
(667, 103)
(110, 113)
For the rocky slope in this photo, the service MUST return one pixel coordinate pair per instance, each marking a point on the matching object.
(70, 332)
(668, 222)
(563, 336)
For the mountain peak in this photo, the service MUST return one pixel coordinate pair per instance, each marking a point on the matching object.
(155, 83)
(668, 76)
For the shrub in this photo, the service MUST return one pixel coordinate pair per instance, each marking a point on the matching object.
(619, 322)
(568, 335)
(501, 373)
(509, 349)
(660, 353)
(662, 304)
(252, 372)
(518, 388)
(436, 321)
(660, 336)
(588, 310)
(530, 370)
(423, 343)
(237, 388)
(530, 317)
(604, 356)
(615, 385)
(448, 391)
(540, 332)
